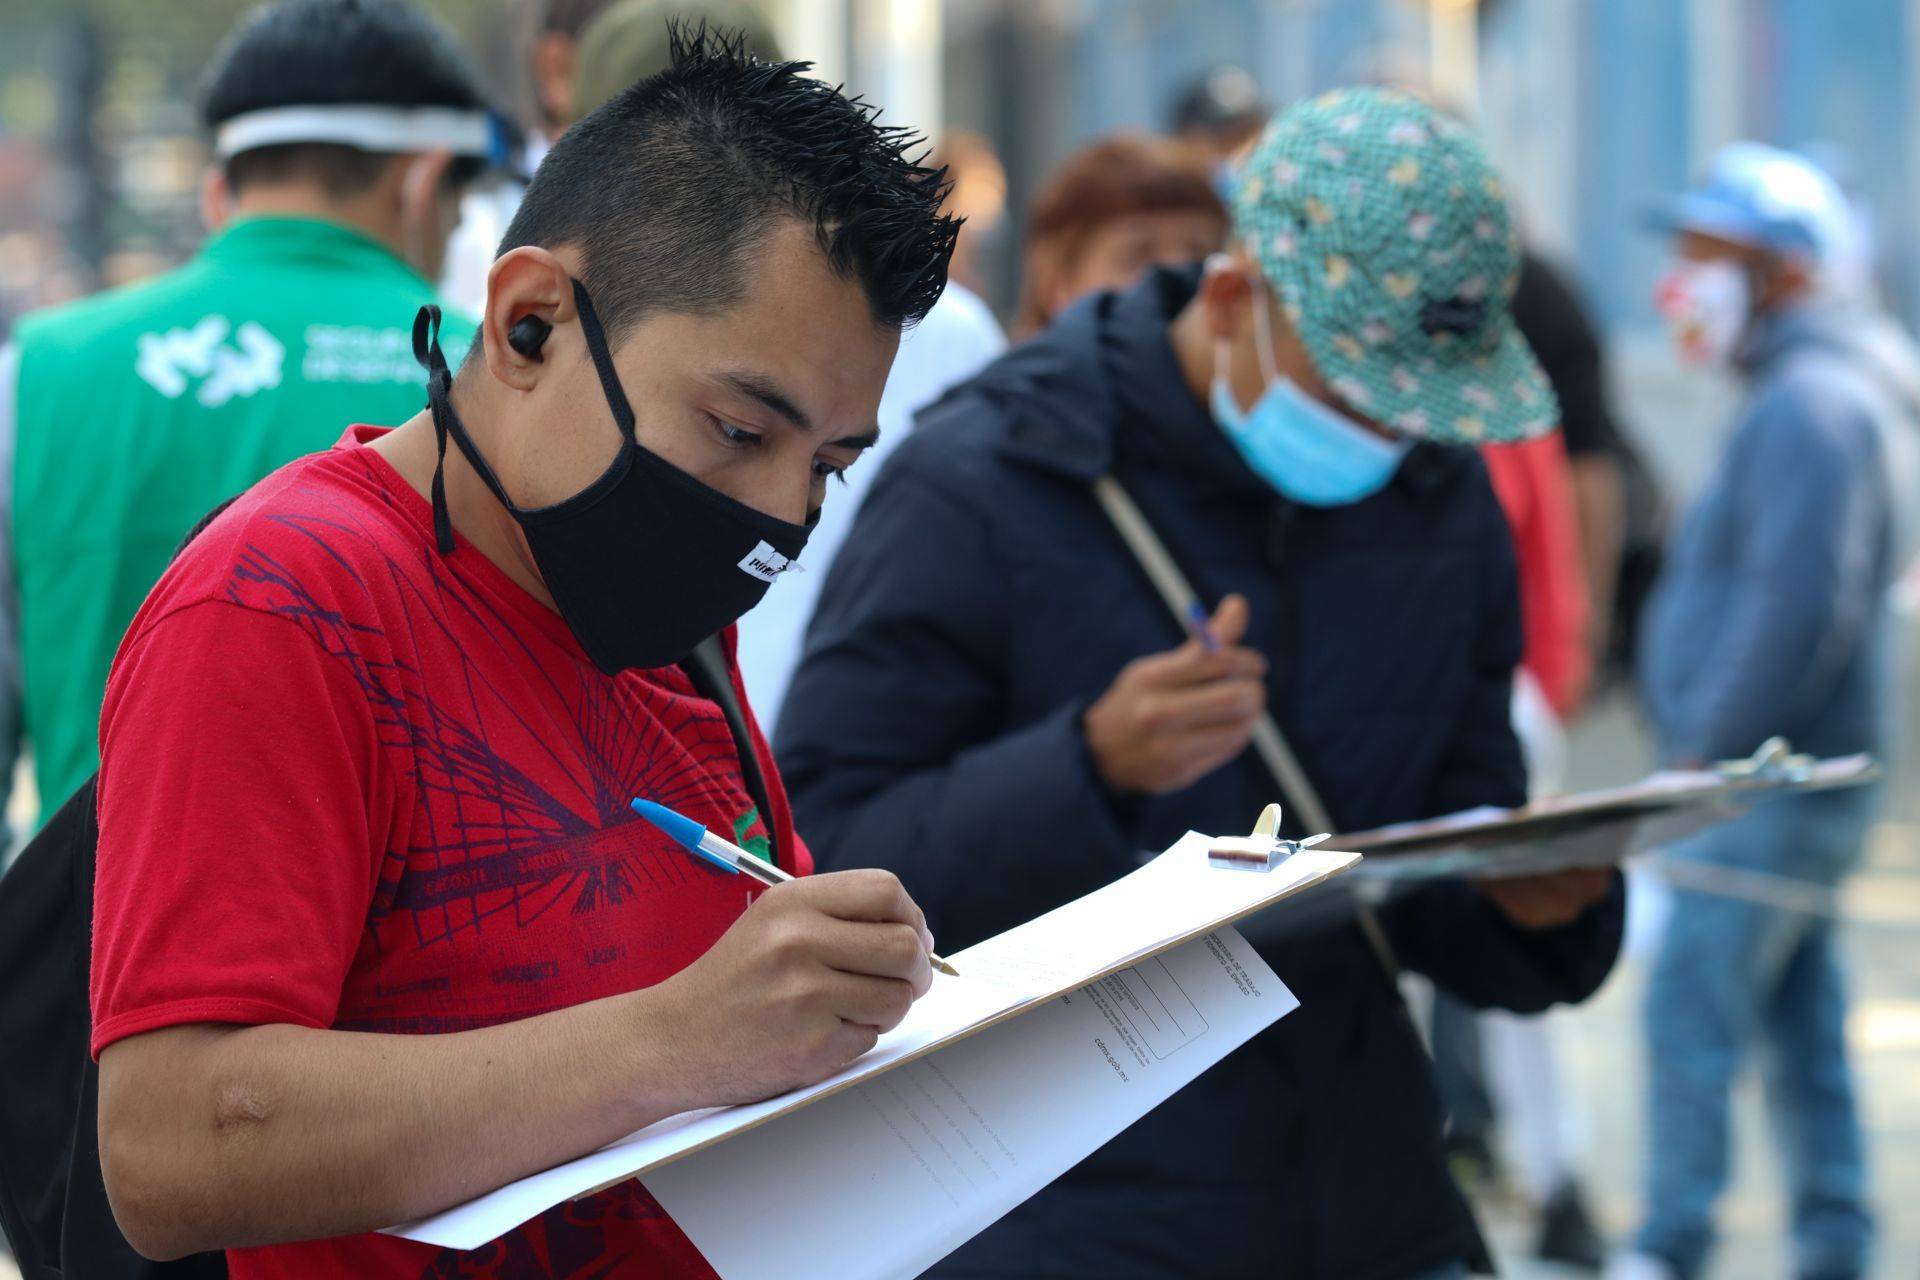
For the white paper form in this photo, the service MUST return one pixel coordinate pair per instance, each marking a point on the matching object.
(1171, 899)
(888, 1177)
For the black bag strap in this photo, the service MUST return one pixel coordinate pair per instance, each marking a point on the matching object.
(706, 666)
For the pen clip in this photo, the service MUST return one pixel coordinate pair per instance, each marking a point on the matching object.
(1773, 761)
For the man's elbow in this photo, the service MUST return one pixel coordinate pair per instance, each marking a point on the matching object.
(155, 1204)
(165, 1178)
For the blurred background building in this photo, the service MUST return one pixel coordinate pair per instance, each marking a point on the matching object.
(1592, 106)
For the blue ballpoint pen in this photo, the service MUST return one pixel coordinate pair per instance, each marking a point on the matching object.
(1201, 626)
(726, 855)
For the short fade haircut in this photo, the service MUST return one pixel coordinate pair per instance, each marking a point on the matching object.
(292, 53)
(668, 189)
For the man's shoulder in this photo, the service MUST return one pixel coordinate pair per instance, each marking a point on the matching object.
(1818, 399)
(317, 538)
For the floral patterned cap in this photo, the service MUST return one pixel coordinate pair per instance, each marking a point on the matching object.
(1385, 232)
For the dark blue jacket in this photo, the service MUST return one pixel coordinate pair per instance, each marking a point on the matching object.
(982, 602)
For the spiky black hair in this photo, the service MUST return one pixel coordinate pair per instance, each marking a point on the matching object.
(669, 188)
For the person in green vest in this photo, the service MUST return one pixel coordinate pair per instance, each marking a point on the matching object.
(344, 131)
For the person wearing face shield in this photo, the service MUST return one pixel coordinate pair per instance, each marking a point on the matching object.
(996, 704)
(342, 131)
(376, 927)
(1772, 618)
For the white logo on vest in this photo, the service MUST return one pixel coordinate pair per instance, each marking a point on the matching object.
(169, 362)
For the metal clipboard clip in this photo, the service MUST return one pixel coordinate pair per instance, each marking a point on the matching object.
(1774, 761)
(1264, 850)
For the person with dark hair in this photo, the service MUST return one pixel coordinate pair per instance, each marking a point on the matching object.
(1109, 213)
(997, 704)
(1221, 111)
(555, 62)
(345, 97)
(343, 130)
(376, 928)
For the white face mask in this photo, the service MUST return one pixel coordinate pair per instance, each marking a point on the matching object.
(1707, 306)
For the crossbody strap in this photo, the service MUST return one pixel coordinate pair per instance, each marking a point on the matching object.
(1297, 793)
(1161, 569)
(706, 666)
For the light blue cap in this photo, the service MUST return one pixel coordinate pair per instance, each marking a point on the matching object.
(1772, 199)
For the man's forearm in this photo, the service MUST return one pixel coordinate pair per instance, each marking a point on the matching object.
(217, 1137)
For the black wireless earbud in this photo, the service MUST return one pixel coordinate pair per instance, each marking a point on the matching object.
(528, 335)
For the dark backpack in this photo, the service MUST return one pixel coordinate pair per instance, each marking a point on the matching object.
(53, 1202)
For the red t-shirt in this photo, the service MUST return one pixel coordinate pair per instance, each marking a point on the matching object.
(349, 782)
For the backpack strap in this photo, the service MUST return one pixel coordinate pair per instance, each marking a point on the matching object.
(706, 666)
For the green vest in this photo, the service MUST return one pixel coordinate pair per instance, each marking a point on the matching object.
(139, 410)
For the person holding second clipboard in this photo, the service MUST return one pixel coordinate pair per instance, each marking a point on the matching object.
(997, 704)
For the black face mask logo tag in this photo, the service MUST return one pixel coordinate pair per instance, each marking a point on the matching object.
(645, 562)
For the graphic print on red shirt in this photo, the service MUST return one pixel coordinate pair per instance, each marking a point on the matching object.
(347, 782)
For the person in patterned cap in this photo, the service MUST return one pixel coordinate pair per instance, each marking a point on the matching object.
(996, 703)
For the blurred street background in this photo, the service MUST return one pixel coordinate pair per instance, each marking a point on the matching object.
(1593, 108)
(1604, 1040)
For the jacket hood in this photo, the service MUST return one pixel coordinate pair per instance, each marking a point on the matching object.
(1852, 332)
(1050, 396)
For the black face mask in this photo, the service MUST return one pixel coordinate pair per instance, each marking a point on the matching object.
(645, 562)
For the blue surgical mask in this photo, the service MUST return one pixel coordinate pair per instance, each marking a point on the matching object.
(1306, 450)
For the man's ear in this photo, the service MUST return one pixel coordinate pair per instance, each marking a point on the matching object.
(1779, 279)
(524, 282)
(216, 198)
(421, 221)
(1226, 293)
(422, 179)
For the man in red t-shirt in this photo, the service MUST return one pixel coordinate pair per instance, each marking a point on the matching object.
(375, 928)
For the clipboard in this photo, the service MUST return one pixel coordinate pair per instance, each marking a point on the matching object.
(1597, 828)
(1130, 915)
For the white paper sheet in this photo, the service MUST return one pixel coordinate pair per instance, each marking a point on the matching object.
(1175, 897)
(888, 1177)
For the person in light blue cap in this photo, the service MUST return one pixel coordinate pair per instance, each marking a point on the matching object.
(1772, 619)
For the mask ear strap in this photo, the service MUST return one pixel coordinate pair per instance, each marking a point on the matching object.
(1263, 329)
(426, 349)
(603, 362)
